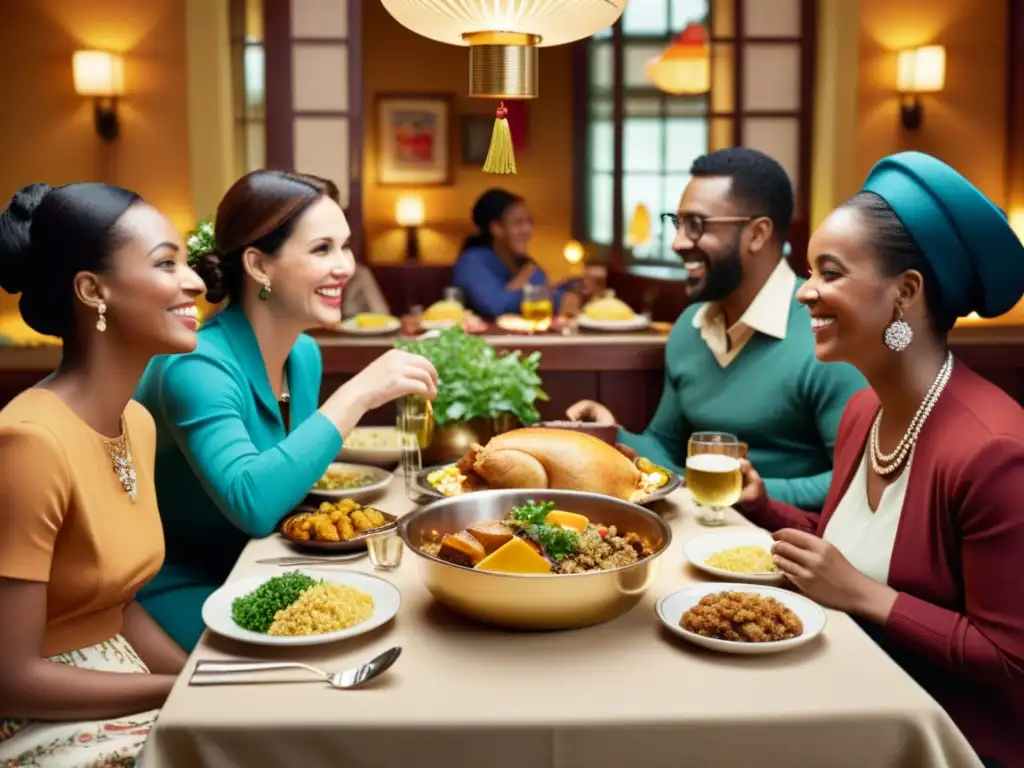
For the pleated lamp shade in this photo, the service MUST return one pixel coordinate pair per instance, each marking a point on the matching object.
(684, 68)
(503, 35)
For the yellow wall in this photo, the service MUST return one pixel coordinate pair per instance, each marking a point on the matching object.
(47, 130)
(397, 61)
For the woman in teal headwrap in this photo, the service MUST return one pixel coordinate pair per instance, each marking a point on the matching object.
(922, 534)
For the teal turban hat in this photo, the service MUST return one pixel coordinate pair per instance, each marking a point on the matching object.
(967, 241)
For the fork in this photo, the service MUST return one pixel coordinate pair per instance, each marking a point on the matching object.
(352, 677)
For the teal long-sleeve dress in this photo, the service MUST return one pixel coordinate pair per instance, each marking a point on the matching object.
(227, 467)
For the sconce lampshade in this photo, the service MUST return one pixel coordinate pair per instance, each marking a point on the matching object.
(409, 211)
(684, 68)
(98, 74)
(921, 70)
(573, 252)
(639, 232)
(503, 35)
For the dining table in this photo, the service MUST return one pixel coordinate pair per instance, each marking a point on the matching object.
(624, 693)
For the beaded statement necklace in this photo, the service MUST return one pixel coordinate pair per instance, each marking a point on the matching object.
(120, 451)
(886, 464)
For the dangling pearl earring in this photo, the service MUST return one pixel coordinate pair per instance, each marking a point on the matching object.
(101, 322)
(898, 334)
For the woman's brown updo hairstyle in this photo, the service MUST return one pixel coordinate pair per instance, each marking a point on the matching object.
(49, 235)
(259, 211)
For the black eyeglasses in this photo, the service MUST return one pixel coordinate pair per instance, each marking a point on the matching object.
(692, 224)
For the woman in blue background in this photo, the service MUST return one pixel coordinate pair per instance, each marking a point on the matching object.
(495, 264)
(231, 460)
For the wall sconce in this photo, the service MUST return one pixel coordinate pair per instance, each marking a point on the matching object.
(409, 214)
(573, 254)
(100, 76)
(918, 70)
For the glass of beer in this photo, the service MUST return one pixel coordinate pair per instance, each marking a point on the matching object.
(713, 474)
(415, 424)
(537, 306)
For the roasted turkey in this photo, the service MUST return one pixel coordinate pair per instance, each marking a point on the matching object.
(537, 457)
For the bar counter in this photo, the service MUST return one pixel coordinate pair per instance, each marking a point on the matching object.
(623, 371)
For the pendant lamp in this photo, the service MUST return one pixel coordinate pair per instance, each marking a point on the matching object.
(684, 68)
(503, 37)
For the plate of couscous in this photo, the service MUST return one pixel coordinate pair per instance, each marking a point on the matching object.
(301, 607)
(737, 555)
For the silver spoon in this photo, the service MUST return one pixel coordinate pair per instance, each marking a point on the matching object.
(312, 560)
(346, 678)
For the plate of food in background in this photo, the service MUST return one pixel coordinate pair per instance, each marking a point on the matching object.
(370, 324)
(338, 526)
(358, 482)
(301, 607)
(744, 619)
(376, 446)
(741, 555)
(442, 314)
(546, 457)
(607, 313)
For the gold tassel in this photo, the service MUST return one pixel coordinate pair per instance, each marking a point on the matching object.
(500, 156)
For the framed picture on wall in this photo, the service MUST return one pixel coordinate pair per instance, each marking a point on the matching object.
(476, 131)
(414, 139)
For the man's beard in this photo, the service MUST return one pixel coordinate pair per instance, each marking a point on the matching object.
(722, 276)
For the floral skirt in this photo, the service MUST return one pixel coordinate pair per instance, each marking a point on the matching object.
(94, 744)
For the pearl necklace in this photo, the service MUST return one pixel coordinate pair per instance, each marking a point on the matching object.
(887, 464)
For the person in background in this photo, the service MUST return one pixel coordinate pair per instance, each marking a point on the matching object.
(241, 434)
(740, 359)
(84, 667)
(494, 265)
(922, 536)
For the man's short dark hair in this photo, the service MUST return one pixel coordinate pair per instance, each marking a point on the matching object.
(759, 183)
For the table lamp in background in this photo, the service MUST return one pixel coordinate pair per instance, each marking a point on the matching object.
(573, 254)
(409, 214)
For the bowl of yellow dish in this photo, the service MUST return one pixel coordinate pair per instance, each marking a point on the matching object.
(442, 314)
(370, 324)
(609, 313)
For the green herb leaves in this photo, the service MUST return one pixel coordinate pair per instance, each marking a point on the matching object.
(478, 382)
(532, 512)
(256, 610)
(557, 542)
(200, 241)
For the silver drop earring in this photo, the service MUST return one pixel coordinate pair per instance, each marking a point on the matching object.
(898, 333)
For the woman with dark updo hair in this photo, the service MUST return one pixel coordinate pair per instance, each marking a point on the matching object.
(79, 526)
(495, 263)
(242, 437)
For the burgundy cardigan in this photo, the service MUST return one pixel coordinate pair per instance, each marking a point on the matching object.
(957, 625)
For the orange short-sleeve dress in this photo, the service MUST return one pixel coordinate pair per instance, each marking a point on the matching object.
(67, 519)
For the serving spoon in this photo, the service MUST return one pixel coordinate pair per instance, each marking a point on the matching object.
(209, 671)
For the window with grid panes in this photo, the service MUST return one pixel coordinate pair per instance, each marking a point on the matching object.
(249, 85)
(761, 81)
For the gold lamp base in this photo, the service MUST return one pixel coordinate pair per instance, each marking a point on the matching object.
(503, 65)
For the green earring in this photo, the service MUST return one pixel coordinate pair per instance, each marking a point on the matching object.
(265, 292)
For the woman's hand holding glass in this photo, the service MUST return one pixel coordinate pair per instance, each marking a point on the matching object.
(753, 492)
(393, 375)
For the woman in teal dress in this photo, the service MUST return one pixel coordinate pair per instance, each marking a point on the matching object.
(231, 461)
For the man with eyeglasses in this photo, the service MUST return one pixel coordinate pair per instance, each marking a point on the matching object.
(740, 359)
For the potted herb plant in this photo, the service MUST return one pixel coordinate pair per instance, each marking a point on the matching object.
(480, 392)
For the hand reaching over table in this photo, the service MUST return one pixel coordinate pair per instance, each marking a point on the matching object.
(822, 573)
(588, 410)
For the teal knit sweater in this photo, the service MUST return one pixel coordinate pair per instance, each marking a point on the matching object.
(774, 395)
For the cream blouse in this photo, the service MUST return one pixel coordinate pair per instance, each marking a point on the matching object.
(864, 537)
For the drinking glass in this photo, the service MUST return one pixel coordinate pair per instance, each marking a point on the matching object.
(713, 474)
(415, 424)
(385, 550)
(454, 293)
(537, 306)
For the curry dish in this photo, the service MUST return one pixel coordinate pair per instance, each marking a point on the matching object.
(742, 617)
(536, 538)
(339, 521)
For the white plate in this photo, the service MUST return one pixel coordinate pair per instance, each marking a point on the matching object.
(637, 323)
(377, 457)
(701, 548)
(672, 607)
(438, 325)
(381, 478)
(349, 326)
(217, 608)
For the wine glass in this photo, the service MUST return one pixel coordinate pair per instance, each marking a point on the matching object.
(713, 474)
